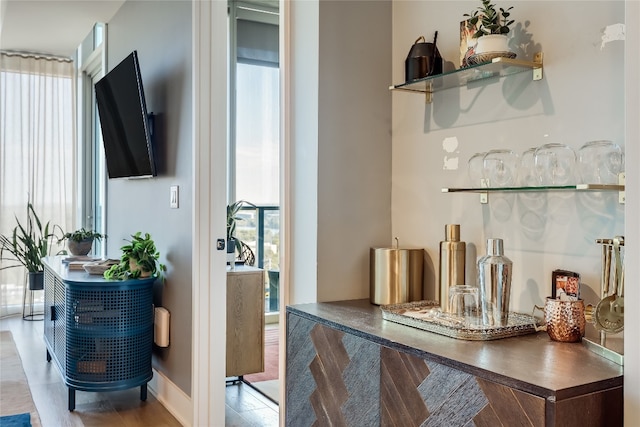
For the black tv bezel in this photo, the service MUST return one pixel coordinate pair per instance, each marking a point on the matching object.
(146, 120)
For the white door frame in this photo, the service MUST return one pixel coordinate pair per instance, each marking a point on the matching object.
(285, 194)
(210, 88)
(210, 93)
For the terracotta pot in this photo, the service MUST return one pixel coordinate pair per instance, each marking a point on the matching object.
(134, 266)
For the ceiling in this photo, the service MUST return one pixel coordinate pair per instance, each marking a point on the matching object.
(55, 27)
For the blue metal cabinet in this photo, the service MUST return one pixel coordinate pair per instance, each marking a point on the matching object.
(98, 332)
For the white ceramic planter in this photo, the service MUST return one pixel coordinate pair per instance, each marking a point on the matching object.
(492, 43)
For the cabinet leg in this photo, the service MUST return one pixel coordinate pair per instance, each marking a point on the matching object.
(143, 392)
(48, 356)
(72, 399)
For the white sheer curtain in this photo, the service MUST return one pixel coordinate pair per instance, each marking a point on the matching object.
(37, 152)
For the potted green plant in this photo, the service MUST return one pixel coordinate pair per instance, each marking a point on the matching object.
(80, 241)
(139, 259)
(27, 245)
(492, 26)
(233, 242)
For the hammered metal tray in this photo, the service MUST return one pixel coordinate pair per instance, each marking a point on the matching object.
(419, 315)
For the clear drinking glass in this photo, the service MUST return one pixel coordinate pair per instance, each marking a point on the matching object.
(475, 168)
(463, 300)
(500, 168)
(555, 164)
(527, 176)
(600, 162)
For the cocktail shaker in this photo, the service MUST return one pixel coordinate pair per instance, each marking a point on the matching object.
(494, 277)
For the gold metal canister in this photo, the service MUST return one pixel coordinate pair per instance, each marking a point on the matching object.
(452, 268)
(396, 275)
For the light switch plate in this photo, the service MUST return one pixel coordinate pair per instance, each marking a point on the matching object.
(173, 202)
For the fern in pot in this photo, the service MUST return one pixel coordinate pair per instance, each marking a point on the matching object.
(139, 259)
(27, 245)
(492, 26)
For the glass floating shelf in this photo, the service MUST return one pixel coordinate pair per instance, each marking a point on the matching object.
(568, 188)
(497, 67)
(579, 187)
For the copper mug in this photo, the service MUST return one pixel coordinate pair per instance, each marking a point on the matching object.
(564, 320)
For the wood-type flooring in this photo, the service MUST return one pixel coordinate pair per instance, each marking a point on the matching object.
(244, 405)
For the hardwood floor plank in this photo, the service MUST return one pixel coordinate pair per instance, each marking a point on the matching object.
(98, 413)
(51, 402)
(245, 406)
(262, 417)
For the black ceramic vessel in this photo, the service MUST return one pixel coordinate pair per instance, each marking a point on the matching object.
(422, 61)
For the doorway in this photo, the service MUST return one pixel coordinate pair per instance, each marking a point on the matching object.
(254, 159)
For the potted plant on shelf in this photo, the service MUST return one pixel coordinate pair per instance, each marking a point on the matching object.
(27, 245)
(492, 26)
(139, 259)
(80, 241)
(233, 242)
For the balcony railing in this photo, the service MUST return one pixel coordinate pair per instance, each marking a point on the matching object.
(260, 230)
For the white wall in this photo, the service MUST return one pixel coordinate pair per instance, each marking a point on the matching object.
(580, 99)
(632, 225)
(354, 147)
(340, 115)
(354, 144)
(303, 130)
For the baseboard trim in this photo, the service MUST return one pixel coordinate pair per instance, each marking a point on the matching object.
(172, 398)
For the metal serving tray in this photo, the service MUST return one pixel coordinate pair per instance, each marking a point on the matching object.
(419, 315)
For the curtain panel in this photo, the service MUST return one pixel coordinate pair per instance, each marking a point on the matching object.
(37, 153)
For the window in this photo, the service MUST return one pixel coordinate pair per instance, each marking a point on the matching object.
(91, 155)
(254, 145)
(37, 152)
(257, 134)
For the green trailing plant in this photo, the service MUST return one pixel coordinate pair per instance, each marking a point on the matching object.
(233, 210)
(82, 235)
(490, 19)
(80, 241)
(140, 258)
(28, 243)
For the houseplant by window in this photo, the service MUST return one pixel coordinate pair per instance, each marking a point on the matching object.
(27, 245)
(80, 241)
(139, 259)
(492, 26)
(234, 244)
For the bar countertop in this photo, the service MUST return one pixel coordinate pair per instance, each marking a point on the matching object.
(531, 363)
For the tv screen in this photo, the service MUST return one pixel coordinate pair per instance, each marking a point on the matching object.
(126, 132)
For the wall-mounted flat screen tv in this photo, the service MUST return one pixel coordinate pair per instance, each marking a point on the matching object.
(126, 128)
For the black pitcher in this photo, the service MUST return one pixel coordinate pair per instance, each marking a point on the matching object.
(423, 60)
